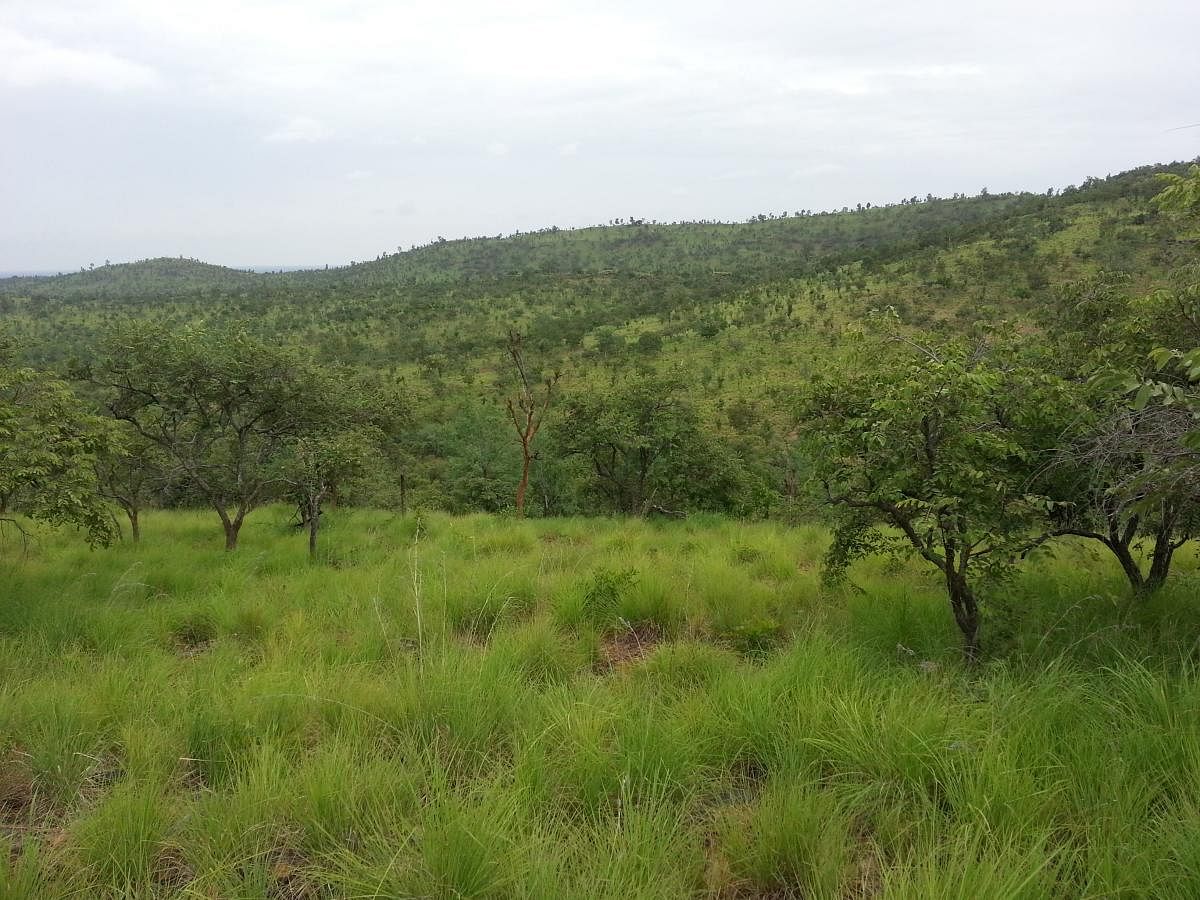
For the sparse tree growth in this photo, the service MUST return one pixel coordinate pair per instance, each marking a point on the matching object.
(713, 657)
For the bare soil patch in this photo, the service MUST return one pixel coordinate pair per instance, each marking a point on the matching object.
(623, 647)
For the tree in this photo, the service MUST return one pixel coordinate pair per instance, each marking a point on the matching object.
(1181, 196)
(1120, 481)
(315, 465)
(939, 443)
(527, 410)
(220, 404)
(49, 443)
(649, 451)
(129, 473)
(1140, 460)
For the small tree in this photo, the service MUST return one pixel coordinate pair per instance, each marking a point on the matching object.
(1121, 477)
(527, 410)
(938, 443)
(1121, 483)
(49, 443)
(130, 473)
(316, 465)
(650, 452)
(221, 405)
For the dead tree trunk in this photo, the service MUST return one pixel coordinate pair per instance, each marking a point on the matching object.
(527, 412)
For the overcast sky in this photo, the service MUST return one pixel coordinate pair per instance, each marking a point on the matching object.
(302, 132)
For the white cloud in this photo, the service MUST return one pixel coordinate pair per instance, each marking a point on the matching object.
(747, 110)
(817, 169)
(737, 175)
(300, 130)
(31, 62)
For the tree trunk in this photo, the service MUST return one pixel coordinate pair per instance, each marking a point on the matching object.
(523, 486)
(1160, 565)
(1129, 565)
(232, 527)
(135, 528)
(314, 523)
(966, 614)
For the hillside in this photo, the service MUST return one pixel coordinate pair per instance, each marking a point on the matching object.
(767, 246)
(733, 314)
(164, 275)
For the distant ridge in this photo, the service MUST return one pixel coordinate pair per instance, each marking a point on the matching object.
(770, 245)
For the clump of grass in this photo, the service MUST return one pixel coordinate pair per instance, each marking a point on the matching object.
(597, 600)
(194, 632)
(118, 842)
(478, 597)
(792, 840)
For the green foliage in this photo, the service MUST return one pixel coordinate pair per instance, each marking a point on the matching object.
(792, 839)
(316, 465)
(938, 441)
(49, 445)
(603, 593)
(649, 452)
(221, 406)
(1182, 192)
(742, 311)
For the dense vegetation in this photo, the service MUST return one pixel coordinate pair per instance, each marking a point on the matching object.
(999, 392)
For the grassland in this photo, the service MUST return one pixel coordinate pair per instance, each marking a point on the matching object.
(483, 707)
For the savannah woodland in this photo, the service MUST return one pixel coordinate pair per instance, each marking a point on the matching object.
(842, 554)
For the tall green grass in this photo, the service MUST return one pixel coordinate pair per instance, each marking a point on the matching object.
(482, 707)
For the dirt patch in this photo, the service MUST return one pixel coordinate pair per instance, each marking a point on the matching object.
(24, 815)
(172, 872)
(867, 879)
(105, 771)
(194, 636)
(289, 876)
(18, 794)
(623, 647)
(724, 885)
(561, 537)
(190, 651)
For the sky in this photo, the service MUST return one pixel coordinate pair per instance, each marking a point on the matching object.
(305, 133)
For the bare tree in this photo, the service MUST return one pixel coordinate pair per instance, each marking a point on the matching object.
(527, 410)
